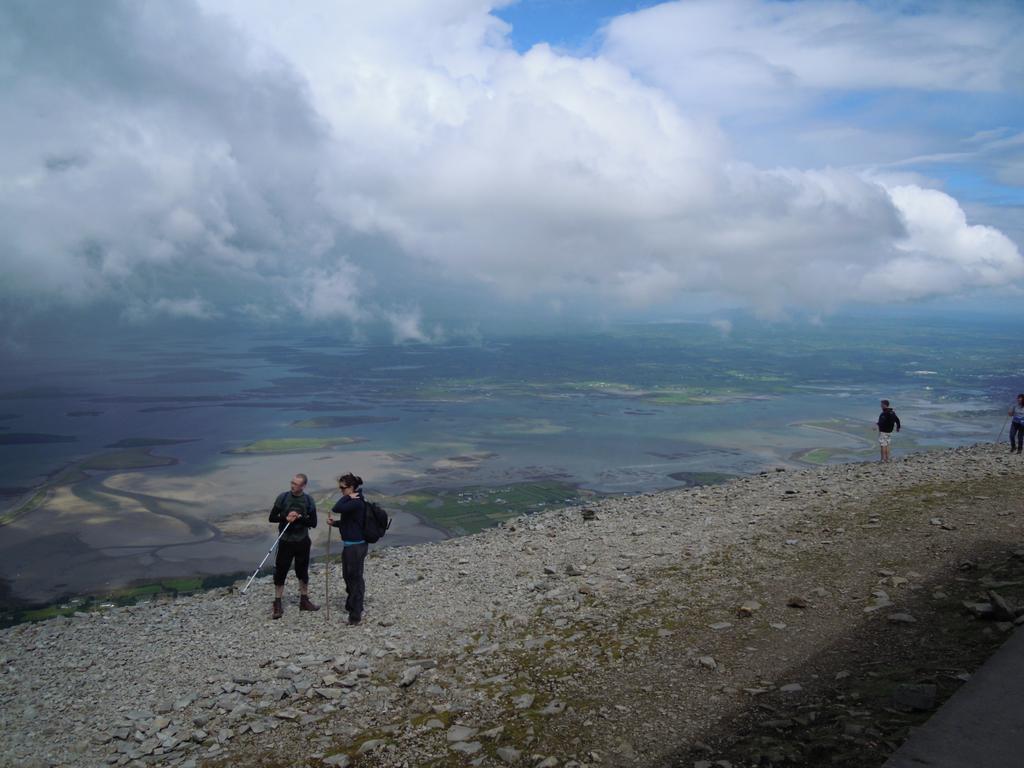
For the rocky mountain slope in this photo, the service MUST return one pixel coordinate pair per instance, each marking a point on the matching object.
(772, 620)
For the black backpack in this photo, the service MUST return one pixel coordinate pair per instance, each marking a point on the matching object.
(376, 522)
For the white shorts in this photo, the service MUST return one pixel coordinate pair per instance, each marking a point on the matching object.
(884, 438)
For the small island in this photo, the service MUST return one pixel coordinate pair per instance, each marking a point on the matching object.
(294, 445)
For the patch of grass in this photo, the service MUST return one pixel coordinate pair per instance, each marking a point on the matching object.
(122, 460)
(29, 506)
(146, 442)
(67, 606)
(295, 445)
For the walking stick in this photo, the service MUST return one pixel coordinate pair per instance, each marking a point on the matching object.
(1000, 435)
(327, 575)
(265, 558)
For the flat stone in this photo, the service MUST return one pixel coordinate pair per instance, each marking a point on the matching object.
(338, 761)
(901, 618)
(919, 696)
(877, 606)
(980, 610)
(466, 747)
(370, 746)
(461, 733)
(1001, 610)
(525, 701)
(554, 708)
(508, 755)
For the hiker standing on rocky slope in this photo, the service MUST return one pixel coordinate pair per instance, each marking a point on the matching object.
(351, 511)
(887, 419)
(296, 510)
(1017, 427)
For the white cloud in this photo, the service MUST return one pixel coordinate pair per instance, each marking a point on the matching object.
(408, 325)
(723, 326)
(729, 53)
(322, 294)
(302, 164)
(942, 253)
(193, 308)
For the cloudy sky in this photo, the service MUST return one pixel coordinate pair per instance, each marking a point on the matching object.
(430, 166)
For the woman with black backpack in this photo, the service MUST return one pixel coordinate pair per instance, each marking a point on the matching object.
(351, 512)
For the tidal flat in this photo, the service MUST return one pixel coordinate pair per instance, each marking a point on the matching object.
(172, 473)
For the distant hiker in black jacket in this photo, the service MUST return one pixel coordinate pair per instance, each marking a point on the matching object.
(351, 511)
(295, 509)
(887, 419)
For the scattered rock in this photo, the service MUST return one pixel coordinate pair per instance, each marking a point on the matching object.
(409, 676)
(749, 608)
(914, 696)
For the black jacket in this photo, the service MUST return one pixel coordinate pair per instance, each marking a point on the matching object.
(888, 419)
(304, 505)
(351, 514)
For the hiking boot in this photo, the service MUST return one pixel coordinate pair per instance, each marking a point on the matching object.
(353, 620)
(305, 604)
(278, 611)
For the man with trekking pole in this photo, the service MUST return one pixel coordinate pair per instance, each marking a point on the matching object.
(294, 511)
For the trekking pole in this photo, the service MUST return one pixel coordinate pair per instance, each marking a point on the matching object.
(1000, 435)
(327, 575)
(265, 558)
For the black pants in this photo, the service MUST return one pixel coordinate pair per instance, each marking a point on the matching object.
(1017, 431)
(286, 551)
(352, 559)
